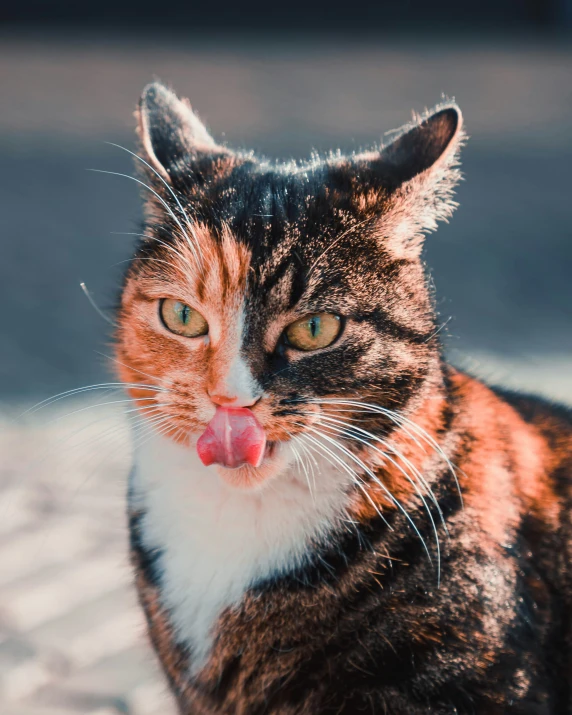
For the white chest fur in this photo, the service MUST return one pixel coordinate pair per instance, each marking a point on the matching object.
(217, 540)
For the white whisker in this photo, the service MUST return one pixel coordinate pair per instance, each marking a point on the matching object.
(99, 404)
(387, 444)
(146, 258)
(169, 189)
(439, 329)
(302, 465)
(372, 476)
(163, 202)
(95, 306)
(400, 420)
(311, 459)
(111, 386)
(337, 461)
(130, 367)
(409, 479)
(166, 245)
(331, 245)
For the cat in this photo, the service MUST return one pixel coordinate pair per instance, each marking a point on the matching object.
(324, 515)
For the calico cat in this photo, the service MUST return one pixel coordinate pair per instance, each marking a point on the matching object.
(325, 516)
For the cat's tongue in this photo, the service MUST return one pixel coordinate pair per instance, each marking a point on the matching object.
(232, 438)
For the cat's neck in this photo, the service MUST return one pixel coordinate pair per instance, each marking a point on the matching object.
(215, 541)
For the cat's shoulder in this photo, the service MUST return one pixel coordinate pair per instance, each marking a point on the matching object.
(549, 416)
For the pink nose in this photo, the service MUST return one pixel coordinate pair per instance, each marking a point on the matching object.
(233, 437)
(232, 400)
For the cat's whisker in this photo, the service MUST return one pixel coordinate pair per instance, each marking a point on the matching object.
(347, 430)
(145, 258)
(117, 435)
(298, 459)
(302, 465)
(372, 476)
(334, 459)
(59, 442)
(143, 426)
(344, 432)
(395, 451)
(310, 451)
(439, 329)
(311, 459)
(111, 386)
(152, 420)
(163, 202)
(116, 430)
(99, 404)
(147, 427)
(187, 220)
(136, 425)
(157, 174)
(96, 307)
(430, 441)
(143, 408)
(401, 420)
(388, 445)
(335, 242)
(158, 429)
(352, 409)
(166, 245)
(108, 454)
(419, 475)
(66, 438)
(130, 367)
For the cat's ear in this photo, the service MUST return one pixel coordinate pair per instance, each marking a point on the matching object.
(426, 145)
(171, 134)
(410, 182)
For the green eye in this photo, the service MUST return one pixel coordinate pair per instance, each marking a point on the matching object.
(314, 331)
(181, 319)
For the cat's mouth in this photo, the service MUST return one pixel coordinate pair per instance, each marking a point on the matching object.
(270, 450)
(234, 438)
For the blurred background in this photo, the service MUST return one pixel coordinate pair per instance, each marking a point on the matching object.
(285, 80)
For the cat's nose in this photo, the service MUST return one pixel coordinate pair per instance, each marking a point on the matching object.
(223, 400)
(233, 385)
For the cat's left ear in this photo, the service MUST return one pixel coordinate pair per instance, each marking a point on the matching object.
(172, 136)
(410, 183)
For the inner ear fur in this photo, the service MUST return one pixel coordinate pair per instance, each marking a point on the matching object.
(431, 140)
(170, 132)
(409, 184)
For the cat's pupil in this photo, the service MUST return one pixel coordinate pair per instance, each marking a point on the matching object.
(184, 313)
(315, 326)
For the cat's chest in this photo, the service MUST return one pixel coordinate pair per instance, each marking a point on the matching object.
(215, 541)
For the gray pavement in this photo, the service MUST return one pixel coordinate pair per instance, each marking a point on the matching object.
(71, 636)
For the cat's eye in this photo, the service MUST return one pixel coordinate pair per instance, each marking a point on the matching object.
(313, 331)
(181, 319)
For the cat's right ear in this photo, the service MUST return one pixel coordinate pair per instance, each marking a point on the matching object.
(171, 134)
(409, 184)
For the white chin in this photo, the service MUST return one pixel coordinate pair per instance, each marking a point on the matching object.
(248, 477)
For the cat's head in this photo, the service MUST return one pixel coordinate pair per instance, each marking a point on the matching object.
(281, 298)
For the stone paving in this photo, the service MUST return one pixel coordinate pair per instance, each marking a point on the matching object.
(72, 638)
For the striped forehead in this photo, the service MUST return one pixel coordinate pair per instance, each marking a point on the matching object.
(210, 272)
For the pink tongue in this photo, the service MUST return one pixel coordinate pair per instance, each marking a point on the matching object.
(232, 438)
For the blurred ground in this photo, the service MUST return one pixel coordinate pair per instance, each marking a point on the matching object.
(71, 639)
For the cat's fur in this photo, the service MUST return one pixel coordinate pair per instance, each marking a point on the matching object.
(346, 574)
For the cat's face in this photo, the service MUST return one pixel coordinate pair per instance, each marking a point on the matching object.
(282, 295)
